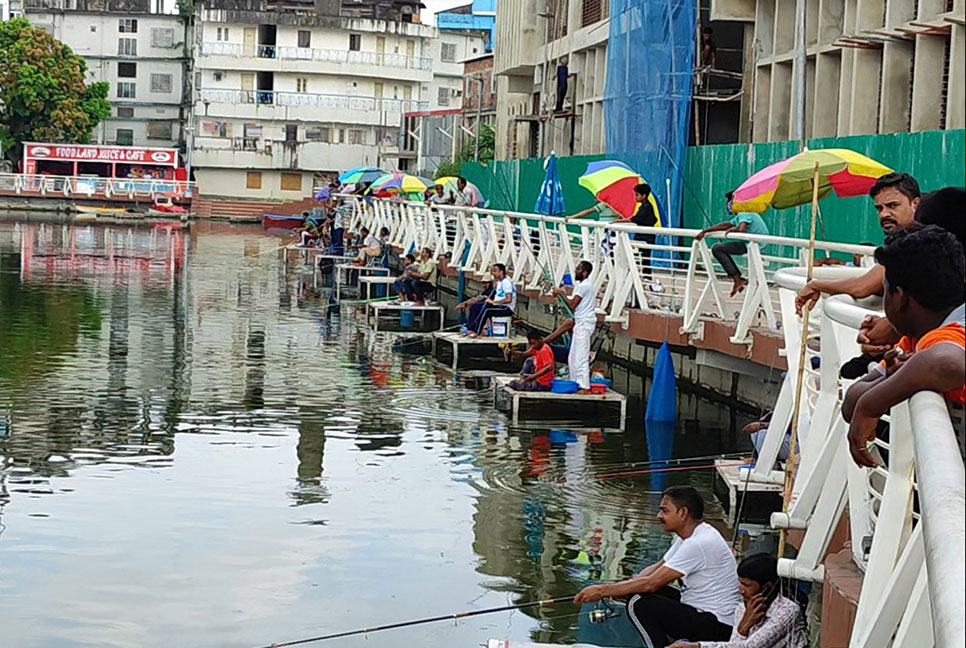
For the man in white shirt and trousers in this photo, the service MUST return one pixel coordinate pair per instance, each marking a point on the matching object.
(703, 562)
(583, 303)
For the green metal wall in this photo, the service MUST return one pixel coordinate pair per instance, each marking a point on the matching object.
(936, 158)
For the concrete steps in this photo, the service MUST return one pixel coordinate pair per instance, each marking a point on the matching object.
(243, 210)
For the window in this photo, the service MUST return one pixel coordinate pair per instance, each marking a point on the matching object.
(291, 132)
(162, 37)
(291, 182)
(125, 111)
(443, 98)
(218, 75)
(161, 83)
(127, 25)
(448, 53)
(252, 131)
(355, 42)
(160, 130)
(301, 84)
(127, 70)
(357, 136)
(215, 129)
(305, 38)
(124, 136)
(315, 134)
(253, 180)
(127, 47)
(221, 34)
(126, 90)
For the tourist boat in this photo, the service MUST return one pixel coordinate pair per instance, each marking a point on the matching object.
(100, 211)
(164, 206)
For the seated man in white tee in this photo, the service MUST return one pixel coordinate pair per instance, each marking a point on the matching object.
(701, 559)
(501, 304)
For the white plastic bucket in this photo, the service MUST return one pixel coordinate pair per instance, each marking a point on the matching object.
(500, 327)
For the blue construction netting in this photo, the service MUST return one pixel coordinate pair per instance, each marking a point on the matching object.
(647, 101)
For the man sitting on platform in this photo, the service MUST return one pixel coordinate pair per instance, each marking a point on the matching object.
(371, 248)
(474, 306)
(538, 367)
(704, 608)
(503, 302)
(402, 284)
(420, 279)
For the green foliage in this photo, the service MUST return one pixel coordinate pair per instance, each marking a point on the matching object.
(447, 168)
(468, 152)
(186, 8)
(43, 95)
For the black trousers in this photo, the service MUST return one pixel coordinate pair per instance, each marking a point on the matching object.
(663, 619)
(723, 253)
(491, 310)
(646, 252)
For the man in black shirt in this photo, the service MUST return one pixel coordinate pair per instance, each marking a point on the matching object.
(562, 73)
(644, 217)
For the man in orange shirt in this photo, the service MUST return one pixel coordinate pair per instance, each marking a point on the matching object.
(538, 367)
(923, 299)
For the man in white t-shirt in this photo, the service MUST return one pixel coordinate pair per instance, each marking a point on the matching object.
(703, 562)
(583, 303)
(503, 302)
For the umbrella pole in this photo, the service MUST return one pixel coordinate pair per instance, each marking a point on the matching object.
(791, 466)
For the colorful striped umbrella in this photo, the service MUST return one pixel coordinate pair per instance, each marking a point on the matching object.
(789, 183)
(361, 174)
(393, 183)
(613, 183)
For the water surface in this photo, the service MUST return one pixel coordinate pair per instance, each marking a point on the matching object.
(195, 450)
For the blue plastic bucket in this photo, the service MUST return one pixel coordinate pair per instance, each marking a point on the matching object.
(558, 386)
(406, 317)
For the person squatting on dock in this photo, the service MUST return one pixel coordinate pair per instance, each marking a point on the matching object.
(503, 303)
(923, 295)
(704, 608)
(583, 303)
(537, 372)
(765, 618)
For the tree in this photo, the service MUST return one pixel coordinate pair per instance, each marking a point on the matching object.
(43, 96)
(468, 152)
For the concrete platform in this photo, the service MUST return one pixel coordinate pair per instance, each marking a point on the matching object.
(454, 345)
(587, 406)
(366, 284)
(387, 316)
(344, 273)
(761, 500)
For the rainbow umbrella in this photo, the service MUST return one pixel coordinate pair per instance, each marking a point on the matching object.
(789, 183)
(613, 183)
(394, 183)
(361, 174)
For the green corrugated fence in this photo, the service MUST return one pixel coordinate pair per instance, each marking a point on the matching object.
(936, 158)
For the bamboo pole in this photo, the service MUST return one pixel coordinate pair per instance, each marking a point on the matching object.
(791, 466)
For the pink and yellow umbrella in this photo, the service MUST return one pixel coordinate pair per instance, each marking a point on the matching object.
(789, 183)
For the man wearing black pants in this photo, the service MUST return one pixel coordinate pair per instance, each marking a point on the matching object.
(701, 559)
(644, 217)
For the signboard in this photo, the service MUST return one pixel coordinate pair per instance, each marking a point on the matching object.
(106, 154)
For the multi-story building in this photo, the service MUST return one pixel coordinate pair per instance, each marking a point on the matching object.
(873, 66)
(139, 51)
(479, 92)
(290, 93)
(533, 36)
(478, 17)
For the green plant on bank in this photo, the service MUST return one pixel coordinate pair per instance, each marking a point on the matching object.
(468, 153)
(43, 94)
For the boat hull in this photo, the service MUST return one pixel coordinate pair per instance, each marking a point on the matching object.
(270, 221)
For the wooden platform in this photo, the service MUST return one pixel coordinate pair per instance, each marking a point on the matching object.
(347, 270)
(455, 343)
(589, 403)
(760, 499)
(426, 319)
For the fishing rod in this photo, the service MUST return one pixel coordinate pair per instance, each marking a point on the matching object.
(628, 473)
(405, 624)
(724, 455)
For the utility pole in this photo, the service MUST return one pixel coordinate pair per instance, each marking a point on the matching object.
(801, 63)
(479, 117)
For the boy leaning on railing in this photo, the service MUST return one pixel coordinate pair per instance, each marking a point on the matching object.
(923, 300)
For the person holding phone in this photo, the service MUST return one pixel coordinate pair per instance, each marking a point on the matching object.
(764, 618)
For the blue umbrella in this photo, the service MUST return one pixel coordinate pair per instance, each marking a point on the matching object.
(551, 200)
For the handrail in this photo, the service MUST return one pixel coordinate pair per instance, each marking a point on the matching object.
(942, 499)
(291, 52)
(43, 185)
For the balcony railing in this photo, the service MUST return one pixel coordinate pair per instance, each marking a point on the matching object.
(51, 185)
(337, 57)
(332, 101)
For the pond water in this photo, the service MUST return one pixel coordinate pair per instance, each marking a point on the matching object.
(196, 451)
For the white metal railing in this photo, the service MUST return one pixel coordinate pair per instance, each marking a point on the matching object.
(333, 101)
(51, 185)
(335, 56)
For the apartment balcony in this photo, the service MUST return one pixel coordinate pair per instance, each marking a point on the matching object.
(305, 107)
(307, 60)
(258, 154)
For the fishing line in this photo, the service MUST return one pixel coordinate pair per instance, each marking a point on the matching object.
(628, 473)
(404, 624)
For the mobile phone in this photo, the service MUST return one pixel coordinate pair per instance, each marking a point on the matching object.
(769, 593)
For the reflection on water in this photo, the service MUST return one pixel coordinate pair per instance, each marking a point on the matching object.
(195, 450)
